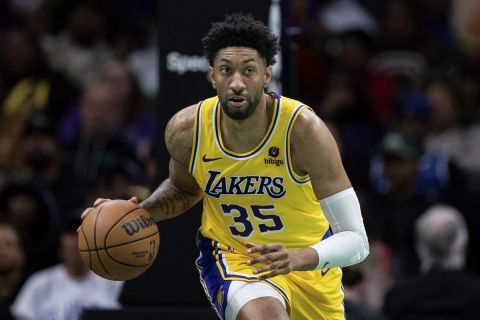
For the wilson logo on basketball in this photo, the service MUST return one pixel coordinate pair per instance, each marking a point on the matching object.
(151, 253)
(134, 226)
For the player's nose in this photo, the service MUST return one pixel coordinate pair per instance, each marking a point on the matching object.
(237, 83)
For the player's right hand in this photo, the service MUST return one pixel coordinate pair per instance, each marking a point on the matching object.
(97, 202)
(100, 201)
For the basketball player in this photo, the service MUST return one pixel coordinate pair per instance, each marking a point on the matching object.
(279, 213)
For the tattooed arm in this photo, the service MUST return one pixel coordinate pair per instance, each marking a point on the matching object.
(169, 201)
(180, 191)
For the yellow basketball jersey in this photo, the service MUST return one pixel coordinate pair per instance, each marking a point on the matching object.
(254, 196)
(257, 197)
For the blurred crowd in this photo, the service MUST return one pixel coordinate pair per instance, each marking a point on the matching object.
(399, 87)
(392, 80)
(78, 83)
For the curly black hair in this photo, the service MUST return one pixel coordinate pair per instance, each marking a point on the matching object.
(239, 30)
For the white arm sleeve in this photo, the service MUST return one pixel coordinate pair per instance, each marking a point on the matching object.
(349, 244)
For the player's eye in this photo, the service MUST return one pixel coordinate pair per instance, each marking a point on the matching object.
(249, 71)
(224, 69)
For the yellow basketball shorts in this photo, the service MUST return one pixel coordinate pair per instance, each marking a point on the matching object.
(315, 295)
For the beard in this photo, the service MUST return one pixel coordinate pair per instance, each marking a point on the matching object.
(240, 113)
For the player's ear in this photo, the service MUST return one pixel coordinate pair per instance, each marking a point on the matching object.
(268, 76)
(210, 77)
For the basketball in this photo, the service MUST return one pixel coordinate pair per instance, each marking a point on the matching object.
(118, 240)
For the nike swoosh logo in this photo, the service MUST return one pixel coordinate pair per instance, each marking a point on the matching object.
(324, 272)
(205, 159)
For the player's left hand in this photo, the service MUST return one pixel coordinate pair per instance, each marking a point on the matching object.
(281, 260)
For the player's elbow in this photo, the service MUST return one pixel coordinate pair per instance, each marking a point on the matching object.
(363, 246)
(360, 248)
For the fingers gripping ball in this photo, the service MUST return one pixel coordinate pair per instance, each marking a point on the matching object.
(118, 240)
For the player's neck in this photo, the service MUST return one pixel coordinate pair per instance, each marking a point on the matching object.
(244, 135)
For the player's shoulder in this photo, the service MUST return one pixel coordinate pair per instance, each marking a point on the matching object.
(181, 125)
(290, 102)
(306, 119)
(305, 112)
(307, 124)
(183, 119)
(179, 133)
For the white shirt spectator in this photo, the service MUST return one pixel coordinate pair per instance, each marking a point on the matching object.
(79, 63)
(52, 294)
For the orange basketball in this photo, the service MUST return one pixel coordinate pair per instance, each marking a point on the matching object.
(118, 240)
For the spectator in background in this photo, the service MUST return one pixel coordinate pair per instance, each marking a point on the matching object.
(43, 160)
(444, 290)
(130, 23)
(29, 212)
(446, 146)
(64, 290)
(401, 31)
(422, 115)
(309, 36)
(144, 63)
(395, 202)
(116, 183)
(40, 149)
(448, 111)
(93, 136)
(345, 107)
(138, 125)
(25, 12)
(342, 15)
(411, 115)
(392, 203)
(356, 307)
(454, 136)
(403, 48)
(82, 46)
(437, 23)
(12, 263)
(99, 114)
(27, 86)
(358, 48)
(454, 131)
(123, 112)
(355, 100)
